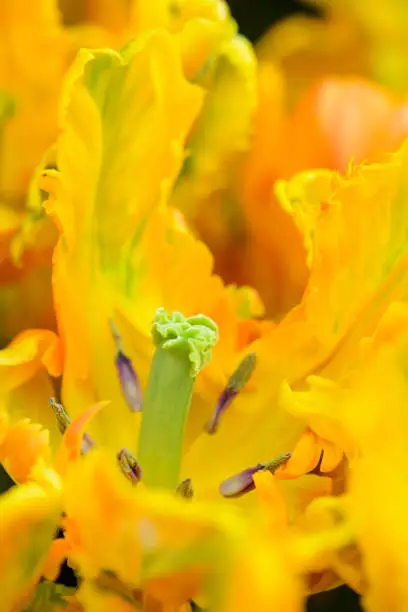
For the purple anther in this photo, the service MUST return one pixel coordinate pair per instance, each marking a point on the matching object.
(129, 466)
(129, 380)
(243, 482)
(240, 483)
(236, 382)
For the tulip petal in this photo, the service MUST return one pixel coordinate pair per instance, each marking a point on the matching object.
(28, 518)
(24, 445)
(106, 157)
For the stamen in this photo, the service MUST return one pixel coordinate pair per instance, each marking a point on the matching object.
(129, 380)
(64, 421)
(129, 466)
(87, 443)
(236, 382)
(243, 482)
(275, 464)
(185, 489)
(240, 483)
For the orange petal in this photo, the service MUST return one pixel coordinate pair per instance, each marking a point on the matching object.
(28, 520)
(26, 354)
(24, 444)
(3, 426)
(332, 455)
(58, 552)
(304, 457)
(71, 444)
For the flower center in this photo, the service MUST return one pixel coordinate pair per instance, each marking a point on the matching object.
(183, 348)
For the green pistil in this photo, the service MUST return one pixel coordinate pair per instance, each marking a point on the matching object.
(183, 348)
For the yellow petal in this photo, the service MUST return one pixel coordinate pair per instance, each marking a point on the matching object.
(26, 368)
(375, 415)
(356, 269)
(4, 420)
(320, 405)
(355, 273)
(24, 444)
(118, 274)
(126, 538)
(102, 155)
(334, 122)
(215, 149)
(261, 579)
(94, 598)
(199, 28)
(349, 287)
(33, 59)
(367, 409)
(326, 549)
(272, 502)
(140, 523)
(26, 271)
(223, 130)
(27, 353)
(28, 520)
(162, 14)
(253, 430)
(144, 59)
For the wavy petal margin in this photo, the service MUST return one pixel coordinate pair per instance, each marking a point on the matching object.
(29, 517)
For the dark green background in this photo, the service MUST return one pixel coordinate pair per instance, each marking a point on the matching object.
(255, 16)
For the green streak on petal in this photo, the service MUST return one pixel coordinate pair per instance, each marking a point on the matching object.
(29, 518)
(7, 110)
(7, 105)
(223, 131)
(50, 596)
(183, 348)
